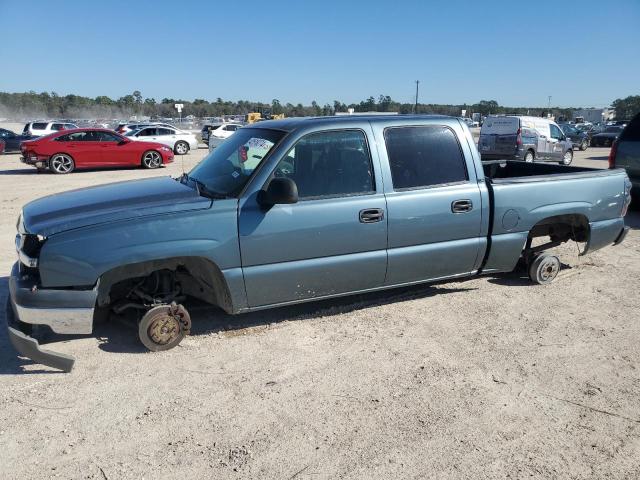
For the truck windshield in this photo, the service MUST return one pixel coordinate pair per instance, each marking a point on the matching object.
(228, 167)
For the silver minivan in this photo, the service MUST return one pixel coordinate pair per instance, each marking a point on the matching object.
(531, 139)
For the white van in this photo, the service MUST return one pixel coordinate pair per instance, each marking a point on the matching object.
(532, 139)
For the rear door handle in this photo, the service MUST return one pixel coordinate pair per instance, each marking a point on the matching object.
(371, 215)
(461, 206)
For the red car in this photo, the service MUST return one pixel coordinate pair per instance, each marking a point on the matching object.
(65, 151)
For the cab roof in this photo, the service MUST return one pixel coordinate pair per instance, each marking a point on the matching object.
(294, 123)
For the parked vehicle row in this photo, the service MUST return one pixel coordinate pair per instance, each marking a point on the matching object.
(289, 211)
(532, 139)
(84, 148)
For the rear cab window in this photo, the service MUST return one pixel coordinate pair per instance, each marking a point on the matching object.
(424, 156)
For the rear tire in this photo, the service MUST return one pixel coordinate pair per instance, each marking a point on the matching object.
(181, 148)
(584, 145)
(151, 159)
(544, 269)
(61, 163)
(529, 157)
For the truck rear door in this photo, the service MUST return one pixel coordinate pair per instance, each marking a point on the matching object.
(498, 136)
(433, 200)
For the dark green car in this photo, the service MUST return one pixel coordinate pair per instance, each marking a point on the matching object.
(578, 138)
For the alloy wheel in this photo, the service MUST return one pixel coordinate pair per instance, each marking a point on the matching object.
(61, 163)
(152, 159)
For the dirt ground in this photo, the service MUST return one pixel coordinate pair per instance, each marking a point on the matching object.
(484, 378)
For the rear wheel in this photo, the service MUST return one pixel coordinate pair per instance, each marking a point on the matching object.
(529, 156)
(544, 269)
(151, 159)
(584, 145)
(61, 163)
(567, 158)
(181, 148)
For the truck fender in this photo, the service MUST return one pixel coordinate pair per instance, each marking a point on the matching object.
(209, 282)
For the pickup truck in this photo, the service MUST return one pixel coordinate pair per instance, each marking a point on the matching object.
(294, 210)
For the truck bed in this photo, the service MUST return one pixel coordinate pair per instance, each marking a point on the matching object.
(499, 171)
(523, 194)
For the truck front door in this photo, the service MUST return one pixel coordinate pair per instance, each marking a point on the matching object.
(334, 240)
(434, 203)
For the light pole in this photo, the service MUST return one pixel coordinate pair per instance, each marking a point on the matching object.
(415, 110)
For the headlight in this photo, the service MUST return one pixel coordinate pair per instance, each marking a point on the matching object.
(166, 149)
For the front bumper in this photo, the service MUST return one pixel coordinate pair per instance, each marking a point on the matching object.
(64, 311)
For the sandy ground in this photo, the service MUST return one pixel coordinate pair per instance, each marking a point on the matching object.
(484, 378)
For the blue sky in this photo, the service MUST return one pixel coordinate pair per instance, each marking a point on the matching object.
(582, 53)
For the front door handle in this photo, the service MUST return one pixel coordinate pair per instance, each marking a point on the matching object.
(371, 215)
(461, 206)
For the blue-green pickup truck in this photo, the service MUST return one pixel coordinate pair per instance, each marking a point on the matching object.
(294, 210)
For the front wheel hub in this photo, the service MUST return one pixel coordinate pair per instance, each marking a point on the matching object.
(164, 326)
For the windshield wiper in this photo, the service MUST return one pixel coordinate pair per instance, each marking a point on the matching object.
(202, 189)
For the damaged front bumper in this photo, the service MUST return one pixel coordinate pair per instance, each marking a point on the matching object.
(64, 311)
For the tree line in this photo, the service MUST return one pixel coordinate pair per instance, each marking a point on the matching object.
(51, 105)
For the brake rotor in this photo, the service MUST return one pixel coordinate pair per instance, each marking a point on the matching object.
(164, 326)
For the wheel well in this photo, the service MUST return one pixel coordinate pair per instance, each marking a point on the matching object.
(198, 277)
(562, 228)
(532, 151)
(62, 153)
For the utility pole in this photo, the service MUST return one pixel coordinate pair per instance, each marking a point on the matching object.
(416, 107)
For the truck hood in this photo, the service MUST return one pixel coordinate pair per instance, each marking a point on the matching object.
(107, 203)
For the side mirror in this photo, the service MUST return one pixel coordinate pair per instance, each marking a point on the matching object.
(281, 190)
(124, 141)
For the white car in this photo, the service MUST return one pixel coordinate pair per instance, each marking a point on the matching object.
(181, 142)
(39, 129)
(124, 128)
(225, 130)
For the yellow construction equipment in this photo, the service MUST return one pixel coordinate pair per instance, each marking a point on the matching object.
(254, 117)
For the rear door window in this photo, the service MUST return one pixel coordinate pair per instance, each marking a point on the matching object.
(165, 131)
(147, 132)
(73, 137)
(422, 157)
(107, 137)
(38, 126)
(57, 126)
